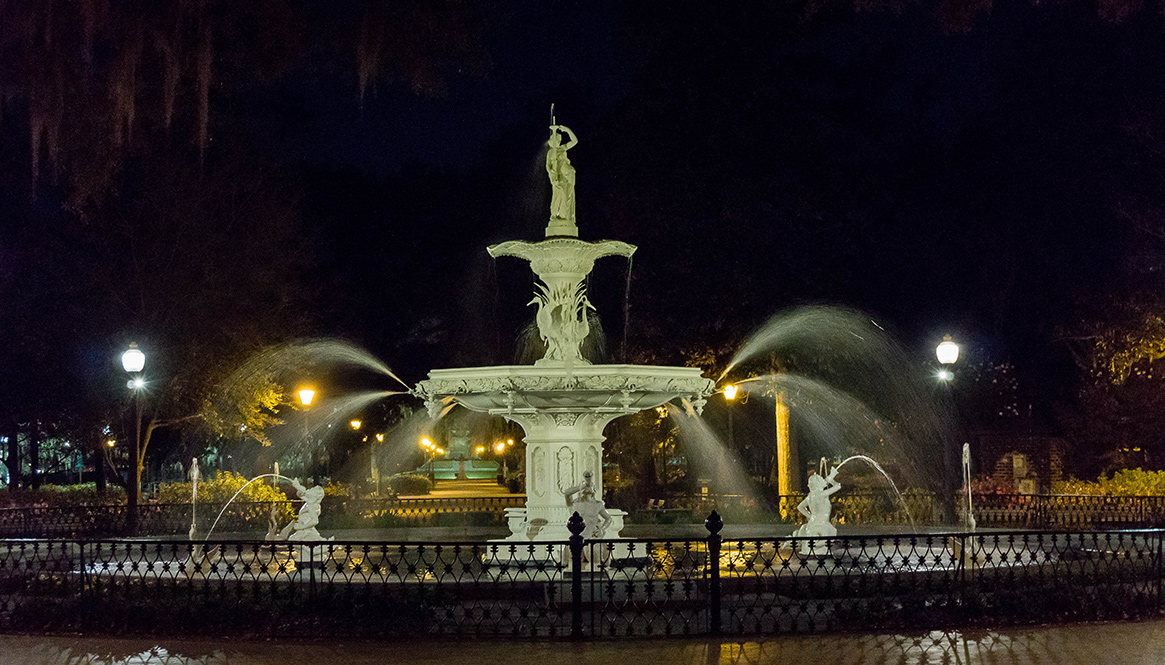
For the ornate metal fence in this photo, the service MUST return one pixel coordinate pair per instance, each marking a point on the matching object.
(173, 519)
(579, 588)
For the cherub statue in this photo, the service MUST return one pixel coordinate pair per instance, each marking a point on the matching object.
(590, 508)
(816, 508)
(304, 526)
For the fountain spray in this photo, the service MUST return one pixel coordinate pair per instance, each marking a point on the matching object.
(967, 484)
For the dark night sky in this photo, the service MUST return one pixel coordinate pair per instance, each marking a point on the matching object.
(760, 155)
(942, 180)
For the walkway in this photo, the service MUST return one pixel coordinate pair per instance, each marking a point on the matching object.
(456, 489)
(1139, 643)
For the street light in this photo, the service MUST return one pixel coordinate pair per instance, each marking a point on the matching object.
(306, 395)
(355, 424)
(134, 361)
(427, 445)
(947, 351)
(730, 392)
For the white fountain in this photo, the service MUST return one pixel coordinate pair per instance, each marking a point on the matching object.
(562, 401)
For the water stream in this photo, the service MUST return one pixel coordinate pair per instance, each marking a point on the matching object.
(879, 469)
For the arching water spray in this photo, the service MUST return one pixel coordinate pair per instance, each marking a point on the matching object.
(879, 469)
(713, 457)
(626, 312)
(236, 494)
(967, 484)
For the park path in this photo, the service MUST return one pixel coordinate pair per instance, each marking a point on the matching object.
(456, 489)
(1129, 643)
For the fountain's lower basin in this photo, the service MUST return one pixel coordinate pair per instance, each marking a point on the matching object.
(563, 408)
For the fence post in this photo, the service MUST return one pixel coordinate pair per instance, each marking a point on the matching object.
(575, 525)
(312, 571)
(714, 524)
(84, 579)
(961, 566)
(1160, 552)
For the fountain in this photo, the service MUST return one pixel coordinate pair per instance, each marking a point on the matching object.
(562, 401)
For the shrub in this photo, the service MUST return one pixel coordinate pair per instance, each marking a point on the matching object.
(220, 487)
(1126, 482)
(84, 494)
(410, 483)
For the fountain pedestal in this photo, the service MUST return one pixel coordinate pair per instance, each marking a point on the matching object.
(563, 413)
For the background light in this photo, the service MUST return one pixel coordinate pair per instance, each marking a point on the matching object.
(306, 395)
(355, 424)
(947, 351)
(945, 375)
(133, 360)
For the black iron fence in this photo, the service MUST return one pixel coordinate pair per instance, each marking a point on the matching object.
(707, 585)
(1026, 511)
(172, 519)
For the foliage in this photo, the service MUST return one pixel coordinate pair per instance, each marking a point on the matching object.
(62, 495)
(220, 487)
(342, 490)
(1126, 482)
(1117, 343)
(246, 405)
(986, 485)
(410, 483)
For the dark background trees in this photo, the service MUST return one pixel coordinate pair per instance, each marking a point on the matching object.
(210, 178)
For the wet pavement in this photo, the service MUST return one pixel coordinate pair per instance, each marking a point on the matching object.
(1130, 643)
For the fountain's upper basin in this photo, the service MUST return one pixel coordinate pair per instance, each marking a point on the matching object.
(550, 387)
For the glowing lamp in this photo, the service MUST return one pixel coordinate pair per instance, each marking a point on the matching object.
(945, 375)
(380, 438)
(306, 395)
(355, 424)
(730, 391)
(500, 448)
(947, 351)
(133, 360)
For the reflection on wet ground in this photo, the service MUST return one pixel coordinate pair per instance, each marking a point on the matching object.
(1125, 643)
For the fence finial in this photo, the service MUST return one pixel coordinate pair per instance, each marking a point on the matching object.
(713, 523)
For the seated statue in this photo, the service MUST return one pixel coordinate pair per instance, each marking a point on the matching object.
(816, 508)
(304, 526)
(589, 507)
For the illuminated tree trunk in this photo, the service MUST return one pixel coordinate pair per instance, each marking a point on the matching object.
(785, 457)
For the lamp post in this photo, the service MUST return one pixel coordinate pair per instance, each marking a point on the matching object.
(306, 395)
(730, 391)
(374, 468)
(428, 447)
(133, 361)
(947, 353)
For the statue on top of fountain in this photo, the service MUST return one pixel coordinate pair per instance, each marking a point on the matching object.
(816, 507)
(562, 179)
(590, 508)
